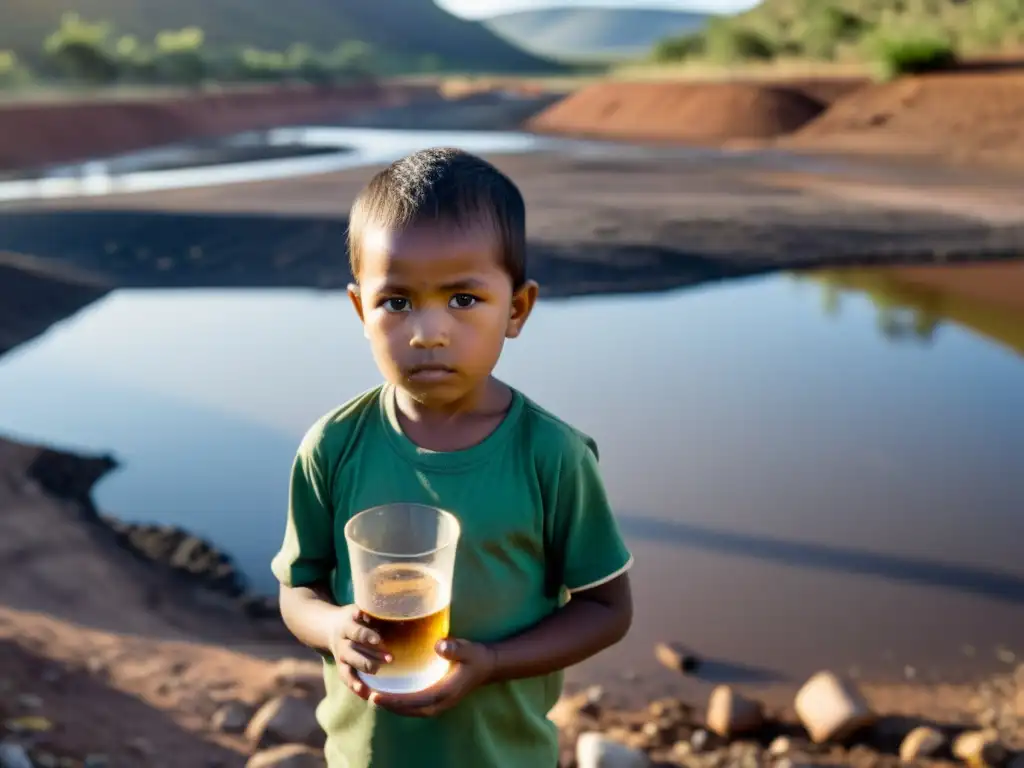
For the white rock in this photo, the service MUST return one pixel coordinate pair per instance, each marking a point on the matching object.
(287, 756)
(595, 750)
(780, 746)
(980, 748)
(729, 713)
(285, 720)
(921, 742)
(14, 756)
(831, 708)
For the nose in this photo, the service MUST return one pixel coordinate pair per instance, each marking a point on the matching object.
(430, 329)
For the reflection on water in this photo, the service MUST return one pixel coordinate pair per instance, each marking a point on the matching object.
(780, 471)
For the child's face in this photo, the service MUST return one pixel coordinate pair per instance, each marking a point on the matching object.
(437, 306)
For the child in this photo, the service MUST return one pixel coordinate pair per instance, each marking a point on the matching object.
(437, 248)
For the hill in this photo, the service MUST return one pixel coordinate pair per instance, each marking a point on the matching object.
(409, 30)
(857, 30)
(592, 33)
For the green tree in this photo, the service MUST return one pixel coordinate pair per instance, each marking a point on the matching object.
(179, 56)
(79, 50)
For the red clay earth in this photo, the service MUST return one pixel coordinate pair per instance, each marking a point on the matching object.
(962, 116)
(685, 112)
(67, 131)
(975, 115)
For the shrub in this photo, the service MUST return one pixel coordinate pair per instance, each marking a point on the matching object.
(679, 48)
(726, 43)
(912, 55)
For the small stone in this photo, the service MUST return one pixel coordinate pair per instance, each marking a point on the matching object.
(592, 698)
(699, 740)
(1005, 655)
(920, 743)
(232, 717)
(30, 701)
(595, 750)
(676, 657)
(287, 756)
(981, 748)
(658, 708)
(46, 760)
(13, 756)
(29, 724)
(294, 673)
(285, 720)
(969, 650)
(988, 717)
(780, 746)
(909, 672)
(730, 713)
(681, 750)
(831, 708)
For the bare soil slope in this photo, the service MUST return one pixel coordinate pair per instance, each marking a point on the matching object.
(680, 112)
(960, 115)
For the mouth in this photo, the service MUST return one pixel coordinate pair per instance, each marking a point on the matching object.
(430, 372)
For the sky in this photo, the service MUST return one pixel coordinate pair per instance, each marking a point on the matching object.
(475, 9)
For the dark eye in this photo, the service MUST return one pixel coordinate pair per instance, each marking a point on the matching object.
(462, 301)
(395, 304)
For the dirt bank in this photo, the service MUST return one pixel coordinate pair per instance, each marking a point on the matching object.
(34, 295)
(962, 116)
(966, 117)
(695, 113)
(61, 558)
(67, 131)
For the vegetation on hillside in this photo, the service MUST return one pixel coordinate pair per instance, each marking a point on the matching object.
(88, 53)
(896, 36)
(156, 41)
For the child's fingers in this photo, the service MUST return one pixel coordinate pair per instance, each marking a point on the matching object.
(363, 635)
(362, 658)
(351, 679)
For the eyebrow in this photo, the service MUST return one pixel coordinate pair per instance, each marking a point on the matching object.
(468, 284)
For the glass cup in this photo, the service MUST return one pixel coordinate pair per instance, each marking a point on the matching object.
(402, 558)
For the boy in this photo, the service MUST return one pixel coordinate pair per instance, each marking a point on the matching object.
(437, 247)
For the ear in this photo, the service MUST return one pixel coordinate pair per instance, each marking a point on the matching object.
(523, 301)
(357, 300)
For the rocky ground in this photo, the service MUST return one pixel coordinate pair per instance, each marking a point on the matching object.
(72, 696)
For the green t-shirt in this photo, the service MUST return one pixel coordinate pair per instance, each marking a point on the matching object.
(535, 525)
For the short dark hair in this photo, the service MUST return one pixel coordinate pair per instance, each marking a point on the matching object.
(448, 186)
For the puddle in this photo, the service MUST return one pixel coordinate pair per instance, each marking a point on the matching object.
(827, 464)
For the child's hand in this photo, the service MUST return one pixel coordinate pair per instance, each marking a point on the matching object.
(356, 648)
(472, 666)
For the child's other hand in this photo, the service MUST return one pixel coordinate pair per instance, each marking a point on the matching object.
(472, 666)
(356, 648)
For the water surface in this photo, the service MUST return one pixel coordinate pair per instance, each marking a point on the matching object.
(823, 471)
